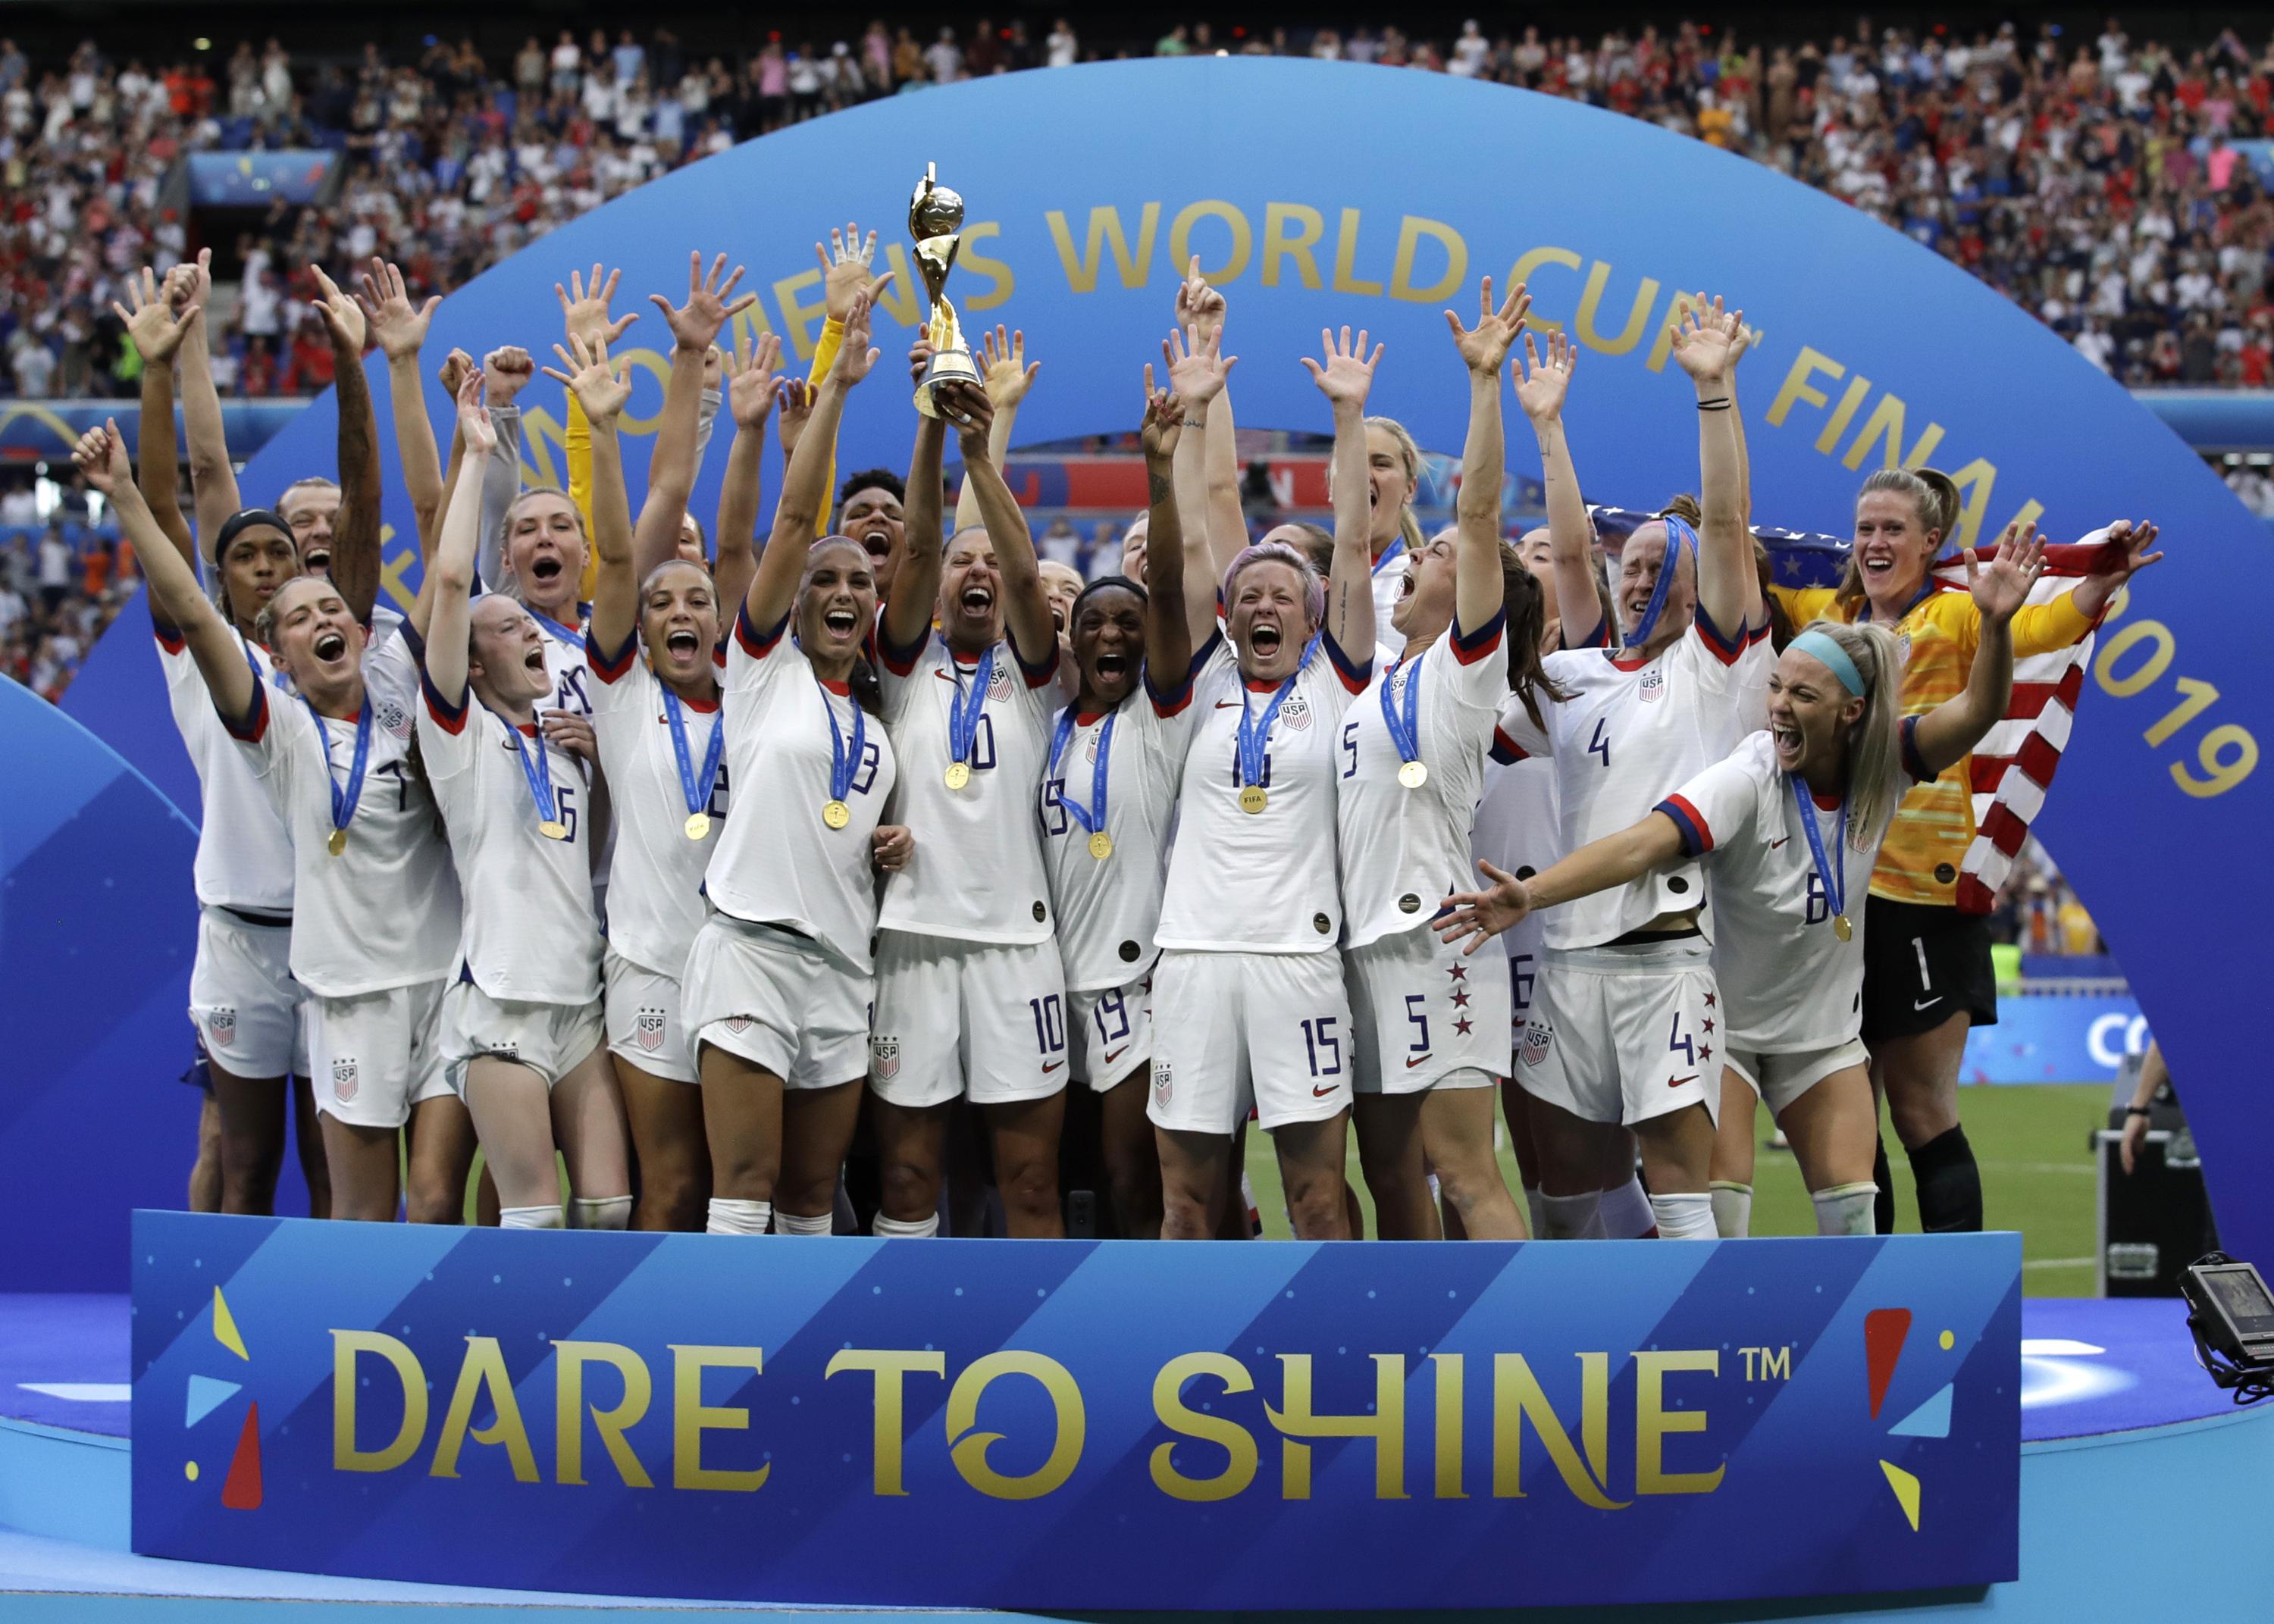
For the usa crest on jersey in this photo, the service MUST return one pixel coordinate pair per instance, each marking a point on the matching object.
(885, 1057)
(345, 1081)
(395, 719)
(647, 1030)
(1296, 713)
(1536, 1039)
(1653, 686)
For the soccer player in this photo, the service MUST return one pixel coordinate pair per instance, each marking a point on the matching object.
(333, 751)
(1430, 1039)
(780, 980)
(1251, 915)
(1620, 1033)
(1108, 803)
(521, 1028)
(970, 991)
(1780, 827)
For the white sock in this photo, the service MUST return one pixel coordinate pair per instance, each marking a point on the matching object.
(1684, 1217)
(737, 1217)
(1845, 1209)
(904, 1229)
(1733, 1209)
(530, 1218)
(1534, 1210)
(798, 1223)
(1627, 1214)
(607, 1211)
(1567, 1217)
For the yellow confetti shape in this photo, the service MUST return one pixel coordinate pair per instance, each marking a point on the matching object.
(225, 1327)
(1906, 1491)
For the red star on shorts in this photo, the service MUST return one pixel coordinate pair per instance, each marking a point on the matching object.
(1709, 1000)
(1709, 1025)
(1460, 999)
(1462, 1025)
(1704, 1051)
(1459, 972)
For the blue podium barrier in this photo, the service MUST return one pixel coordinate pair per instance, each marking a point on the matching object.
(1079, 1425)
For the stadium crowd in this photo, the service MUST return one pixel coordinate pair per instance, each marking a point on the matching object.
(2097, 183)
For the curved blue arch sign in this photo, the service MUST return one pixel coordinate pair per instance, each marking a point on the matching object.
(1328, 192)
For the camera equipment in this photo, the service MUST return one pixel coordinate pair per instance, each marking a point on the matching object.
(2232, 1316)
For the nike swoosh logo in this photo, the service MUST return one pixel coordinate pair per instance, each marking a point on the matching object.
(1052, 1066)
(1112, 1055)
(1319, 1093)
(1918, 1004)
(1227, 704)
(1774, 844)
(1411, 1063)
(1677, 1082)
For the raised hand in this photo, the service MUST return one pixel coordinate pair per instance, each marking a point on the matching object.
(453, 371)
(1542, 385)
(1705, 343)
(2129, 554)
(397, 326)
(1486, 345)
(1198, 305)
(595, 381)
(1198, 369)
(100, 458)
(1164, 420)
(845, 268)
(1003, 367)
(506, 373)
(855, 355)
(796, 397)
(1346, 376)
(584, 308)
(1480, 915)
(341, 315)
(920, 354)
(191, 283)
(751, 377)
(2002, 586)
(967, 408)
(474, 425)
(150, 320)
(695, 324)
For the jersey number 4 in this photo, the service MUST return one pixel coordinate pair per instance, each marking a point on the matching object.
(1600, 744)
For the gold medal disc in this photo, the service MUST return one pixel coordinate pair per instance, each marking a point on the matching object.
(836, 814)
(1101, 846)
(1414, 774)
(553, 829)
(698, 825)
(1253, 800)
(1841, 928)
(959, 774)
(338, 842)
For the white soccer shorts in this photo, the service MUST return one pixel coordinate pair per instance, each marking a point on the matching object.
(1779, 1080)
(242, 999)
(778, 1000)
(1425, 1015)
(552, 1040)
(1272, 1030)
(1113, 1032)
(641, 1008)
(1625, 1034)
(375, 1057)
(983, 1019)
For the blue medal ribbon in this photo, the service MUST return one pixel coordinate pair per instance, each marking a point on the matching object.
(1388, 553)
(539, 773)
(1678, 536)
(1405, 730)
(695, 789)
(344, 800)
(1091, 817)
(1254, 737)
(962, 710)
(1835, 878)
(842, 761)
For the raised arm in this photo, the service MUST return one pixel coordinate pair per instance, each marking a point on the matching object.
(844, 277)
(449, 614)
(1006, 376)
(1203, 307)
(1615, 860)
(176, 598)
(213, 482)
(1728, 584)
(399, 328)
(2129, 550)
(915, 578)
(1198, 373)
(1477, 582)
(805, 483)
(157, 335)
(1540, 389)
(751, 382)
(672, 464)
(1168, 629)
(355, 568)
(505, 373)
(1346, 376)
(1945, 734)
(1026, 609)
(599, 388)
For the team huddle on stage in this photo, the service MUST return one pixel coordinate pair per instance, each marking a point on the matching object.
(685, 861)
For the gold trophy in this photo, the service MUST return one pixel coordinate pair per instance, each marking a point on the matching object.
(936, 221)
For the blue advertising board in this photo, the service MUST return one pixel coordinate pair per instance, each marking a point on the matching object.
(1079, 1425)
(2056, 1038)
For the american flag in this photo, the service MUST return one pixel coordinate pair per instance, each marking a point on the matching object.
(2014, 765)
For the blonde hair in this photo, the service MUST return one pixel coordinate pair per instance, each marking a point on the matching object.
(1933, 494)
(1408, 453)
(1876, 740)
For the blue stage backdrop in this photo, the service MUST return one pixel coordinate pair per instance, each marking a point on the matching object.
(1079, 1425)
(1088, 187)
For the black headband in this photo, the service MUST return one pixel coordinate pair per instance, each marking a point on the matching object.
(245, 519)
(1100, 585)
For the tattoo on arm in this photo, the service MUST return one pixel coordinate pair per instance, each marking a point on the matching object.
(1157, 486)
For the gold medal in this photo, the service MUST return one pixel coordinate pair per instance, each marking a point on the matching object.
(1413, 775)
(959, 774)
(553, 829)
(1841, 928)
(1253, 800)
(1101, 846)
(836, 814)
(338, 842)
(698, 825)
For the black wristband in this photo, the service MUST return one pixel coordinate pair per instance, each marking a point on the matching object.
(2137, 1110)
(1719, 404)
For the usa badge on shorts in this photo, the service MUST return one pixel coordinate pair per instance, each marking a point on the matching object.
(221, 1027)
(647, 1030)
(1164, 1082)
(1536, 1039)
(344, 1080)
(885, 1058)
(1653, 686)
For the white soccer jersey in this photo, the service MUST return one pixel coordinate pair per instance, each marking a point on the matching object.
(383, 911)
(1262, 882)
(565, 660)
(655, 871)
(1389, 586)
(1516, 830)
(1108, 909)
(1404, 849)
(777, 862)
(977, 873)
(530, 933)
(1787, 981)
(1631, 732)
(245, 859)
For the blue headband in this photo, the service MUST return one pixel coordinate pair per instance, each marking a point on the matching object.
(1834, 658)
(1678, 536)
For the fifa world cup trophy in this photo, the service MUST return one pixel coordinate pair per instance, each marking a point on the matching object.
(936, 221)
